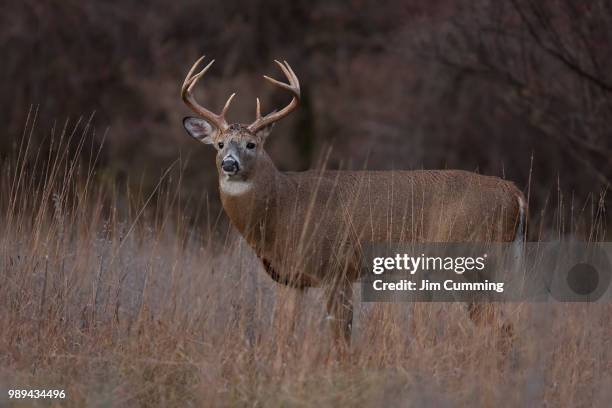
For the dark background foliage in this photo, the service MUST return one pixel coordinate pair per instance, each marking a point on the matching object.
(520, 89)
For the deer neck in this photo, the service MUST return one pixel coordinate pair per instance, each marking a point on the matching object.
(248, 203)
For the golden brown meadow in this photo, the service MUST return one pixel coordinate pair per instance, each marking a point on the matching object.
(125, 298)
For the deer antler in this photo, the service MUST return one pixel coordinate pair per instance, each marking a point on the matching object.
(190, 80)
(293, 86)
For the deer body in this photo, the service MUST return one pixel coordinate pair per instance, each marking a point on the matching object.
(315, 213)
(308, 227)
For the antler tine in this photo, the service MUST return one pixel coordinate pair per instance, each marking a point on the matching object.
(192, 69)
(293, 86)
(258, 111)
(191, 79)
(278, 83)
(227, 104)
(295, 82)
(186, 94)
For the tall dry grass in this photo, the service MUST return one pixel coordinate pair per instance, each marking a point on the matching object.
(119, 298)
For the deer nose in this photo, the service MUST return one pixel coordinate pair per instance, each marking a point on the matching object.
(230, 165)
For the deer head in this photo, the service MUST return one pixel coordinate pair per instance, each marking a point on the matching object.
(239, 146)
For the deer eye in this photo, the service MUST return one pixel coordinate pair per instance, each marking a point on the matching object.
(250, 145)
(220, 145)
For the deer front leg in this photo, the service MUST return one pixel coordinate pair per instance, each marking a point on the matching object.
(490, 315)
(340, 312)
(287, 312)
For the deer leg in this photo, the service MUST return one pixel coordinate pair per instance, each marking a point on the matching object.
(488, 315)
(288, 311)
(482, 314)
(295, 305)
(340, 312)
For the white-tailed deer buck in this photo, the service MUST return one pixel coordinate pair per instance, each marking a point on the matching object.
(307, 227)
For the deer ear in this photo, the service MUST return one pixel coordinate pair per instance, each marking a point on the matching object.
(264, 132)
(199, 129)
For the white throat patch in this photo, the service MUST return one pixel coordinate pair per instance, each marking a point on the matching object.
(234, 188)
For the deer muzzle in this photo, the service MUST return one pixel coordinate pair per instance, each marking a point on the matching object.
(230, 165)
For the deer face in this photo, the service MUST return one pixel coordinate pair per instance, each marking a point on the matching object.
(237, 147)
